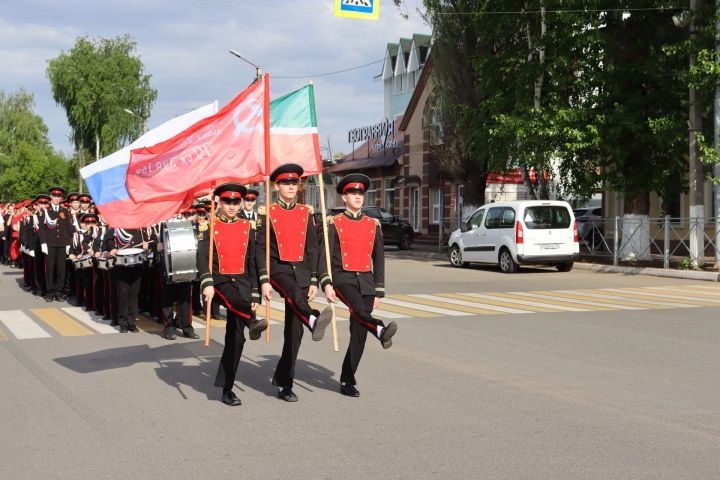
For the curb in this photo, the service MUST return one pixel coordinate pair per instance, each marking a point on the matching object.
(656, 272)
(595, 267)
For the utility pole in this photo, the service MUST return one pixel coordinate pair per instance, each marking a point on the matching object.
(696, 177)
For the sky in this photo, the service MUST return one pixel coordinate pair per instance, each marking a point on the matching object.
(184, 46)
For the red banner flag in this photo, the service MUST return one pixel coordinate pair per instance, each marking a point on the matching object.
(227, 146)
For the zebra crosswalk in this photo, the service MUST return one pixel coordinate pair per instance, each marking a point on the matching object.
(39, 323)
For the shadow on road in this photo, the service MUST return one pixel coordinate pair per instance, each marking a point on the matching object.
(171, 368)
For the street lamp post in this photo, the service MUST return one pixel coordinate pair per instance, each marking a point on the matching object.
(258, 70)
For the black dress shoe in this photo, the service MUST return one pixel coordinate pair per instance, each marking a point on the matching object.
(287, 394)
(133, 328)
(114, 323)
(229, 398)
(123, 329)
(169, 333)
(48, 298)
(349, 390)
(256, 328)
(323, 320)
(190, 333)
(387, 334)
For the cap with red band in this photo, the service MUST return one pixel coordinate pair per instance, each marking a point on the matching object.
(230, 191)
(354, 186)
(287, 172)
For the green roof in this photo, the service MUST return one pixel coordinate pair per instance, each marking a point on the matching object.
(422, 40)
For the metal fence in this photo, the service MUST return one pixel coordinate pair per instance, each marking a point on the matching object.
(642, 238)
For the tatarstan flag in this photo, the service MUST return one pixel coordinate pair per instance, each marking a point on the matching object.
(293, 131)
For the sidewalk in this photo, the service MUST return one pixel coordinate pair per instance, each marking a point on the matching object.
(430, 253)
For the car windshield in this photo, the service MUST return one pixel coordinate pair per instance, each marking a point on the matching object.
(580, 213)
(547, 217)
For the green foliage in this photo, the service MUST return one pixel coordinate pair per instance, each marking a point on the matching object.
(28, 164)
(95, 82)
(600, 95)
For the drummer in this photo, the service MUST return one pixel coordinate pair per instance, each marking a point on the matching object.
(81, 248)
(175, 293)
(127, 242)
(200, 227)
(100, 278)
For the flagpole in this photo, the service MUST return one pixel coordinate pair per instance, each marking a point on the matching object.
(267, 252)
(327, 254)
(266, 129)
(208, 306)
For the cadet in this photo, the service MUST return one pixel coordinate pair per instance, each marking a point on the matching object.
(293, 267)
(55, 234)
(358, 274)
(233, 280)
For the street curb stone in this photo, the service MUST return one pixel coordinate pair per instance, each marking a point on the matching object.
(595, 267)
(657, 272)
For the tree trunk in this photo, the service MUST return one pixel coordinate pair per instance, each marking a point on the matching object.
(635, 230)
(528, 182)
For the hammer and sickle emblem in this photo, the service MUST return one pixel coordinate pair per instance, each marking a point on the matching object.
(243, 120)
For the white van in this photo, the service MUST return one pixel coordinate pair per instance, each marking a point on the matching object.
(517, 233)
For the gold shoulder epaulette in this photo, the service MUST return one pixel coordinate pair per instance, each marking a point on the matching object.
(310, 209)
(253, 225)
(261, 210)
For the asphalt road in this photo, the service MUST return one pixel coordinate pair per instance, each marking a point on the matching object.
(627, 390)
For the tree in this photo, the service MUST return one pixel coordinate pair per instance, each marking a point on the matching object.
(95, 82)
(28, 164)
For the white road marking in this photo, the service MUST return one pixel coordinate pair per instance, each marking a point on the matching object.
(465, 303)
(85, 318)
(550, 296)
(529, 303)
(665, 295)
(632, 300)
(425, 308)
(21, 325)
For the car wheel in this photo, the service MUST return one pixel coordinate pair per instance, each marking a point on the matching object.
(507, 264)
(565, 267)
(455, 257)
(405, 242)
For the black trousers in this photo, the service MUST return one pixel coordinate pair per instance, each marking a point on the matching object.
(55, 264)
(176, 293)
(128, 289)
(40, 280)
(98, 290)
(79, 287)
(297, 315)
(196, 304)
(239, 315)
(88, 287)
(361, 322)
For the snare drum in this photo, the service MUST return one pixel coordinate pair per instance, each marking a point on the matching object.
(130, 257)
(105, 263)
(83, 262)
(180, 252)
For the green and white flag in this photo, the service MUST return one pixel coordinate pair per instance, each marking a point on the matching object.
(293, 131)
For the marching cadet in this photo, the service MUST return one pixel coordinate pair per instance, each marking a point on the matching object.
(233, 280)
(84, 201)
(127, 277)
(110, 302)
(293, 267)
(55, 236)
(358, 274)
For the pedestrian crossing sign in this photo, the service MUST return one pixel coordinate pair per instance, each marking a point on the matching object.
(363, 9)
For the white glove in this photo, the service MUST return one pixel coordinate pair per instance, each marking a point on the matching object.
(67, 249)
(44, 249)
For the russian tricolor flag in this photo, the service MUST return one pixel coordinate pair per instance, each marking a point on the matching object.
(105, 178)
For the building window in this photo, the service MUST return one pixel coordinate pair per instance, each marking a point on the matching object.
(435, 127)
(398, 84)
(389, 201)
(411, 80)
(312, 195)
(436, 196)
(371, 194)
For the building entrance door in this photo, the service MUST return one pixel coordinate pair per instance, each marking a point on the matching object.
(415, 208)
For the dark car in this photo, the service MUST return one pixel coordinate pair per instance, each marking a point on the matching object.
(395, 230)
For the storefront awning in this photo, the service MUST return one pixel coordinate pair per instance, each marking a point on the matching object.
(378, 160)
